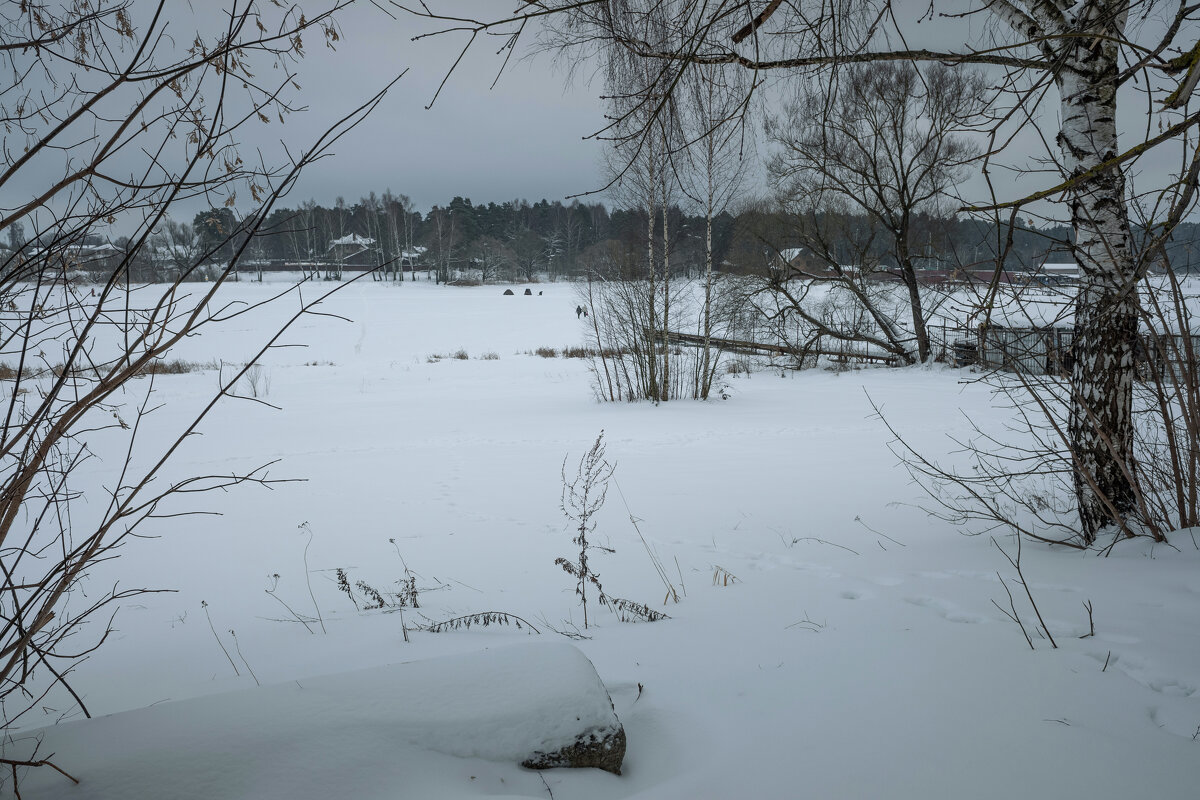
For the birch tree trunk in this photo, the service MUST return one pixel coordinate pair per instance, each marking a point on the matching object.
(666, 261)
(651, 356)
(1100, 428)
(705, 374)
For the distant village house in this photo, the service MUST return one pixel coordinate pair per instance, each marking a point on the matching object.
(354, 251)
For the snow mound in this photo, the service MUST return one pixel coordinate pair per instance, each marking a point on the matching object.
(311, 736)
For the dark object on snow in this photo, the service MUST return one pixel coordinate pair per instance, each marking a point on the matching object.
(508, 291)
(539, 294)
(965, 353)
(600, 741)
(604, 752)
(529, 292)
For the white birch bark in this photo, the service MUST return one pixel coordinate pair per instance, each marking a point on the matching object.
(1100, 428)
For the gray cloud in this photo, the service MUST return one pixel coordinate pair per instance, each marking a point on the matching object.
(523, 138)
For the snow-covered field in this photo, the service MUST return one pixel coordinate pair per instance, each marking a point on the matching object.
(834, 640)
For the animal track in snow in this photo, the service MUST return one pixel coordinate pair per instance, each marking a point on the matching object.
(1171, 687)
(958, 573)
(1116, 638)
(1135, 668)
(947, 611)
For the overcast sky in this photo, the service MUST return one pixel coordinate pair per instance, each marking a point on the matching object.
(525, 138)
(522, 139)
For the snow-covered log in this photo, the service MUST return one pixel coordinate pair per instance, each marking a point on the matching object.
(540, 704)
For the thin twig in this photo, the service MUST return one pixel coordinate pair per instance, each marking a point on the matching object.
(1014, 616)
(1025, 584)
(859, 520)
(238, 647)
(308, 575)
(204, 605)
(1091, 622)
(654, 559)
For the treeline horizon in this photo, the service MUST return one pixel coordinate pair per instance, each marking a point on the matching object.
(525, 239)
(521, 240)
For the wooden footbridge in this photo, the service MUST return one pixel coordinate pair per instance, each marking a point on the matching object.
(745, 347)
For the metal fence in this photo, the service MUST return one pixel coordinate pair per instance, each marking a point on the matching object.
(1048, 351)
(1033, 351)
(1173, 357)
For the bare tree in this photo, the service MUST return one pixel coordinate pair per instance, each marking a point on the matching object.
(640, 168)
(398, 212)
(527, 252)
(712, 178)
(305, 238)
(115, 121)
(371, 210)
(491, 257)
(174, 250)
(882, 144)
(443, 242)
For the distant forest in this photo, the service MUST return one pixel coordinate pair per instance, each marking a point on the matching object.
(518, 240)
(521, 240)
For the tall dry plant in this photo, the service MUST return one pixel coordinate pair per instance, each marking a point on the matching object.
(583, 496)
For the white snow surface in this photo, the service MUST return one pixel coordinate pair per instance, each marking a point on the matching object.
(858, 654)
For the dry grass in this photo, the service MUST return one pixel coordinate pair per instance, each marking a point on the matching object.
(482, 619)
(576, 352)
(490, 357)
(591, 352)
(460, 355)
(175, 366)
(723, 577)
(630, 611)
(9, 372)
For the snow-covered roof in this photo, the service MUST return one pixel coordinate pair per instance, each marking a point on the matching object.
(173, 251)
(80, 252)
(789, 254)
(352, 240)
(1063, 268)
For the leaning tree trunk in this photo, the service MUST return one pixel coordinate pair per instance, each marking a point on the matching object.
(1100, 428)
(909, 275)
